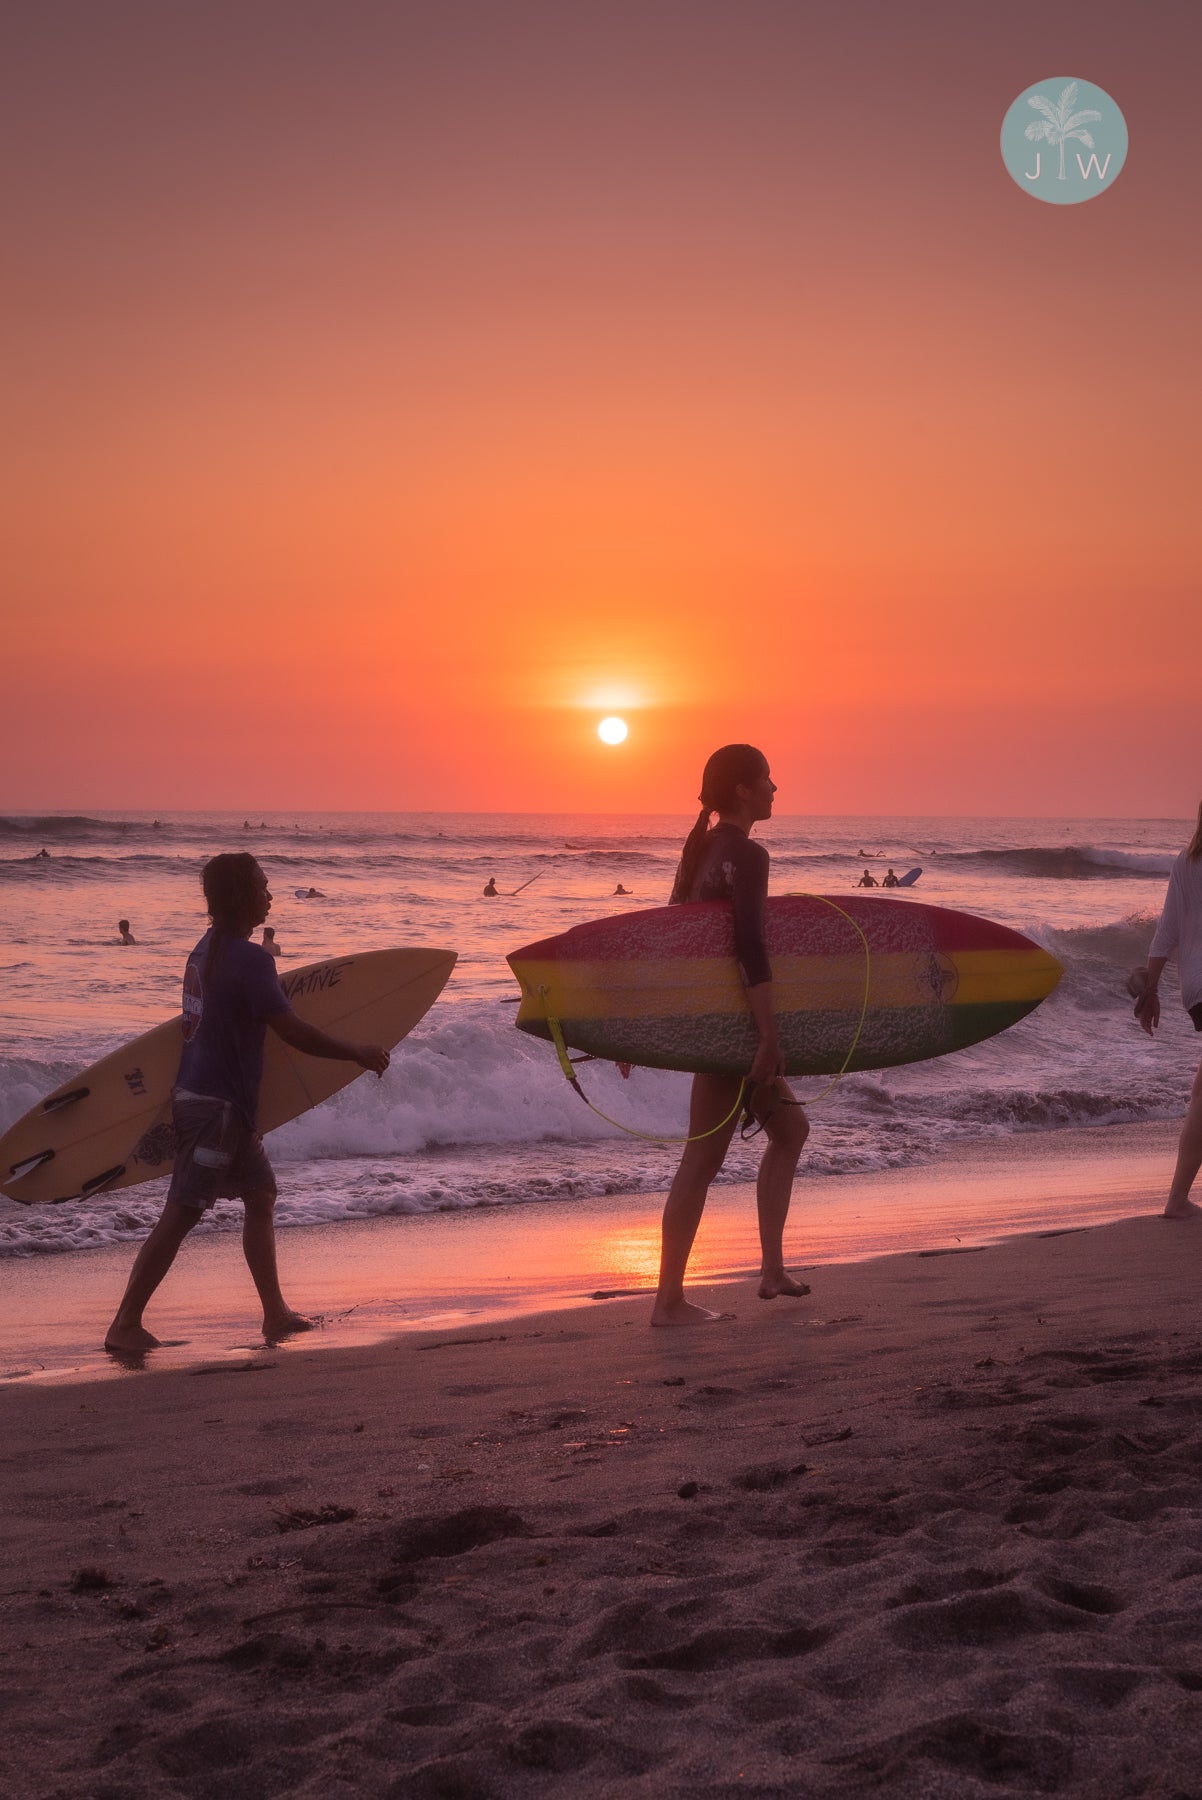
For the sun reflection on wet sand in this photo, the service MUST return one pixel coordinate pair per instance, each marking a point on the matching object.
(467, 1269)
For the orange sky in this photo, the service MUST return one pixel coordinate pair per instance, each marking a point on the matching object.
(389, 395)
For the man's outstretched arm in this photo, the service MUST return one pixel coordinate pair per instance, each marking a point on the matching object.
(313, 1042)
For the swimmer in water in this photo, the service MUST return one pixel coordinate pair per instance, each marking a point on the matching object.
(127, 936)
(269, 943)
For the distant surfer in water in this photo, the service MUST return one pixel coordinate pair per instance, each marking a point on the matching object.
(889, 879)
(867, 879)
(269, 943)
(1179, 934)
(723, 864)
(490, 888)
(620, 890)
(127, 936)
(232, 994)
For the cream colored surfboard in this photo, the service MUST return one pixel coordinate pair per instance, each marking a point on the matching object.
(109, 1127)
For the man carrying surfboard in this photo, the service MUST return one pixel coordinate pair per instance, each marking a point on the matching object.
(723, 864)
(232, 996)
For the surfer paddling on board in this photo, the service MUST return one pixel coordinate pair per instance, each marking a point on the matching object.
(1179, 934)
(723, 864)
(232, 994)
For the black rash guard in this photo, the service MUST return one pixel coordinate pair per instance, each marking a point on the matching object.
(733, 868)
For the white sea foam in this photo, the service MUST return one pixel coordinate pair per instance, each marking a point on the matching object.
(474, 1113)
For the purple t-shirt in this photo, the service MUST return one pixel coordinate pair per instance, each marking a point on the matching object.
(225, 1022)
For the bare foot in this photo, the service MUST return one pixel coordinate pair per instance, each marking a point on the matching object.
(772, 1287)
(286, 1324)
(1181, 1209)
(129, 1340)
(683, 1312)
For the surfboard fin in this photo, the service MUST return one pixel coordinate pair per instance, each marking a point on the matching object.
(29, 1164)
(99, 1181)
(58, 1101)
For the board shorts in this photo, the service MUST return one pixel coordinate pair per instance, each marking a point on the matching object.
(217, 1155)
(1195, 1013)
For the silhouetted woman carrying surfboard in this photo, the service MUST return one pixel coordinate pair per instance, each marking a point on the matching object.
(722, 863)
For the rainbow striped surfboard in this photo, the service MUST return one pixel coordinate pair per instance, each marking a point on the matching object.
(661, 988)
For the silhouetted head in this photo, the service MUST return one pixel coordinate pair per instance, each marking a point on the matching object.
(122, 924)
(236, 893)
(728, 769)
(727, 781)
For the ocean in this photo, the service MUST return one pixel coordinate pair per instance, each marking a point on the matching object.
(474, 1114)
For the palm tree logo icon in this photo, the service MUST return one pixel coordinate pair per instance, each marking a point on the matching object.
(1077, 119)
(1060, 123)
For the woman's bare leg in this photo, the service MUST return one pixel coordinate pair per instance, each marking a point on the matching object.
(786, 1128)
(1189, 1157)
(712, 1098)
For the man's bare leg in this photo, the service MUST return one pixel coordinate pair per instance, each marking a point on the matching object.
(127, 1332)
(258, 1247)
(1189, 1158)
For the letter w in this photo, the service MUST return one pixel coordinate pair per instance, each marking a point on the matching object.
(1094, 164)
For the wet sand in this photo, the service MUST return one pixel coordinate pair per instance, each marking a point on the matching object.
(934, 1531)
(368, 1280)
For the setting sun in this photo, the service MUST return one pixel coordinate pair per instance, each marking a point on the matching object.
(612, 731)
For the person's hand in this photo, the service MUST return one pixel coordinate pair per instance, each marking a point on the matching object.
(1147, 1009)
(767, 1063)
(1146, 994)
(373, 1057)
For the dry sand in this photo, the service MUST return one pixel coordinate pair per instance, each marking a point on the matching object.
(934, 1531)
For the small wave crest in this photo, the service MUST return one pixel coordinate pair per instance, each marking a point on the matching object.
(58, 825)
(1069, 862)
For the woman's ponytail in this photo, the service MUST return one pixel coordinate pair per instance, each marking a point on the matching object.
(690, 856)
(728, 769)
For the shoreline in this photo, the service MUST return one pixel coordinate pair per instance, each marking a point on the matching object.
(579, 1553)
(402, 1274)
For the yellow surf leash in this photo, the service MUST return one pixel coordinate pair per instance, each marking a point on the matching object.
(565, 1061)
(864, 1004)
(648, 1137)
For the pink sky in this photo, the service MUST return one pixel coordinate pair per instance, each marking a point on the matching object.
(391, 392)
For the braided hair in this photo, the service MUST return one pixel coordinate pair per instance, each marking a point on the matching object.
(734, 766)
